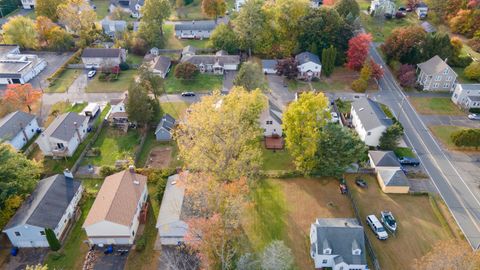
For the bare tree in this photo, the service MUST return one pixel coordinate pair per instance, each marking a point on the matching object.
(277, 256)
(179, 258)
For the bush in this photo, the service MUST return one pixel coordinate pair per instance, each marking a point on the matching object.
(52, 240)
(160, 189)
(461, 61)
(474, 110)
(102, 77)
(124, 66)
(466, 138)
(141, 244)
(472, 72)
(185, 71)
(108, 170)
(359, 85)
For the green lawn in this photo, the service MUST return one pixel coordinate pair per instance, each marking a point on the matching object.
(102, 8)
(404, 152)
(62, 82)
(191, 11)
(386, 110)
(175, 109)
(443, 133)
(133, 59)
(381, 28)
(175, 43)
(63, 107)
(435, 106)
(200, 83)
(121, 85)
(277, 160)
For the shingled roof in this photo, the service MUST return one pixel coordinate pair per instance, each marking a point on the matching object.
(12, 124)
(384, 158)
(63, 127)
(101, 53)
(306, 57)
(370, 113)
(434, 65)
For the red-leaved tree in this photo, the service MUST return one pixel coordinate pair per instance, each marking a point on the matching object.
(358, 51)
(406, 75)
(377, 70)
(21, 96)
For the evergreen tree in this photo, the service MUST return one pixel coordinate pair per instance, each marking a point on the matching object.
(328, 60)
(389, 139)
(52, 240)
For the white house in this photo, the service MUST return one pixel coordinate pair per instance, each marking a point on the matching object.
(112, 28)
(102, 57)
(219, 63)
(17, 128)
(269, 66)
(18, 68)
(52, 205)
(369, 120)
(422, 10)
(117, 115)
(390, 175)
(194, 29)
(170, 225)
(271, 120)
(114, 216)
(130, 6)
(382, 8)
(467, 96)
(338, 243)
(63, 135)
(436, 75)
(309, 65)
(28, 4)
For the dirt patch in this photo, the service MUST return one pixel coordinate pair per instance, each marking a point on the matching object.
(160, 157)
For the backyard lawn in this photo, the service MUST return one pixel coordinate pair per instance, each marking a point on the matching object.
(279, 213)
(435, 106)
(191, 11)
(63, 82)
(175, 43)
(121, 85)
(102, 8)
(277, 160)
(420, 220)
(381, 28)
(133, 59)
(175, 109)
(200, 83)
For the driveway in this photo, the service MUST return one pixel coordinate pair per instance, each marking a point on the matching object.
(431, 120)
(228, 80)
(54, 61)
(27, 256)
(279, 92)
(113, 261)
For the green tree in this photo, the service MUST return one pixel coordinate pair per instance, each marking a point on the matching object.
(328, 60)
(472, 72)
(225, 131)
(20, 30)
(214, 8)
(250, 76)
(348, 9)
(224, 38)
(59, 39)
(153, 83)
(437, 44)
(139, 105)
(391, 136)
(302, 122)
(154, 13)
(77, 16)
(337, 149)
(185, 71)
(468, 137)
(47, 8)
(52, 239)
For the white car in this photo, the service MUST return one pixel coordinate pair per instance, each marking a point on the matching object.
(91, 73)
(335, 118)
(377, 227)
(474, 116)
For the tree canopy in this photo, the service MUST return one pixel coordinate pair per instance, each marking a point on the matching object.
(404, 44)
(47, 8)
(20, 30)
(139, 105)
(21, 96)
(214, 8)
(224, 38)
(250, 77)
(78, 16)
(154, 13)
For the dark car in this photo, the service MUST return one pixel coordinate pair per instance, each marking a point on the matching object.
(188, 94)
(409, 161)
(361, 183)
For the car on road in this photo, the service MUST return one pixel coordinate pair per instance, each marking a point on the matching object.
(409, 161)
(361, 183)
(91, 73)
(474, 116)
(188, 94)
(377, 227)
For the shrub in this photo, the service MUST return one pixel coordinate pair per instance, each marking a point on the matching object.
(406, 75)
(474, 110)
(108, 170)
(52, 240)
(102, 77)
(461, 61)
(141, 243)
(56, 255)
(472, 72)
(185, 71)
(124, 66)
(359, 85)
(466, 138)
(161, 185)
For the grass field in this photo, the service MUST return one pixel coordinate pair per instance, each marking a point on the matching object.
(175, 43)
(191, 11)
(280, 212)
(420, 223)
(404, 152)
(200, 83)
(381, 28)
(277, 160)
(63, 82)
(175, 109)
(435, 106)
(443, 134)
(102, 8)
(133, 59)
(121, 85)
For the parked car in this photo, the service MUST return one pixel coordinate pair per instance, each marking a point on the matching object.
(400, 15)
(188, 94)
(388, 221)
(335, 118)
(361, 183)
(409, 161)
(91, 73)
(474, 116)
(377, 227)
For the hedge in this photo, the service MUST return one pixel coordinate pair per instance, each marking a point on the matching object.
(61, 69)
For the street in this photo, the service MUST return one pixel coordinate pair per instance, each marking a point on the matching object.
(457, 188)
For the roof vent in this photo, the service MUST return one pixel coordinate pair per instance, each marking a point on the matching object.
(361, 109)
(346, 224)
(174, 182)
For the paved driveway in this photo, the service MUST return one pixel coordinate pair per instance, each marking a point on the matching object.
(228, 80)
(54, 61)
(113, 261)
(27, 256)
(279, 92)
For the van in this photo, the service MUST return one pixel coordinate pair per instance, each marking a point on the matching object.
(377, 227)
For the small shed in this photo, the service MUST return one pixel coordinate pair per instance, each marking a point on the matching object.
(392, 181)
(428, 27)
(91, 110)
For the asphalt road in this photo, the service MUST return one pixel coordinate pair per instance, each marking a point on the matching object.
(458, 192)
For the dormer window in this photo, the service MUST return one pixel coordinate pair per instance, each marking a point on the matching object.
(356, 251)
(327, 251)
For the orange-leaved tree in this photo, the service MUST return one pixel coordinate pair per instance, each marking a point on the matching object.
(22, 95)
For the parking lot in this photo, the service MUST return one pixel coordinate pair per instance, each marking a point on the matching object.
(54, 61)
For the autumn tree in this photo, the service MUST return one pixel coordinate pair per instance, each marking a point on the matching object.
(77, 16)
(468, 137)
(154, 13)
(36, 267)
(404, 44)
(449, 254)
(185, 71)
(47, 8)
(59, 39)
(225, 131)
(472, 72)
(302, 123)
(277, 256)
(358, 51)
(458, 59)
(377, 70)
(250, 77)
(407, 75)
(348, 9)
(20, 30)
(288, 67)
(214, 8)
(223, 38)
(437, 44)
(22, 95)
(328, 60)
(43, 26)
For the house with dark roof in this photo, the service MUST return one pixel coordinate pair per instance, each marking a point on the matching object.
(194, 29)
(369, 120)
(63, 135)
(436, 75)
(428, 27)
(164, 130)
(160, 65)
(422, 10)
(218, 63)
(17, 128)
(112, 28)
(103, 57)
(338, 243)
(390, 175)
(467, 96)
(130, 6)
(271, 120)
(52, 205)
(269, 66)
(309, 65)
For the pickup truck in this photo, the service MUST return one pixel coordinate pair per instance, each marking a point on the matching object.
(409, 161)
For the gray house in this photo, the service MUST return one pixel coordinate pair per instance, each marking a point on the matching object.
(436, 75)
(103, 58)
(194, 29)
(17, 128)
(52, 205)
(131, 6)
(269, 66)
(112, 28)
(216, 64)
(165, 128)
(160, 65)
(390, 175)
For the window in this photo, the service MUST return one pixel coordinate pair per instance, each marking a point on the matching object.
(445, 71)
(324, 261)
(449, 78)
(369, 133)
(133, 233)
(17, 234)
(446, 85)
(269, 122)
(438, 78)
(42, 233)
(435, 85)
(60, 145)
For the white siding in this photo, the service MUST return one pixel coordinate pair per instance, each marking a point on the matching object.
(97, 62)
(19, 140)
(69, 212)
(47, 144)
(30, 236)
(370, 137)
(313, 68)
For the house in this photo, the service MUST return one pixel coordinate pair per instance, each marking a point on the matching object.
(18, 68)
(160, 65)
(316, 3)
(132, 7)
(218, 64)
(194, 29)
(428, 27)
(189, 51)
(269, 66)
(271, 120)
(112, 28)
(422, 10)
(164, 129)
(436, 75)
(117, 116)
(28, 4)
(103, 58)
(17, 128)
(114, 216)
(382, 8)
(63, 135)
(390, 175)
(171, 226)
(309, 66)
(239, 4)
(369, 120)
(52, 205)
(467, 96)
(338, 243)
(91, 110)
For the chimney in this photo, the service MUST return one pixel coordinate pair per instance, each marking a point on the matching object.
(131, 169)
(346, 224)
(68, 174)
